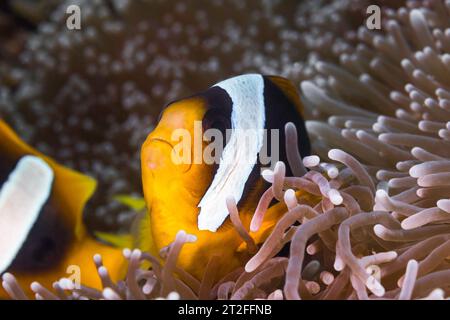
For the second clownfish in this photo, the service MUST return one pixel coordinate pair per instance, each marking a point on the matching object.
(42, 234)
(191, 196)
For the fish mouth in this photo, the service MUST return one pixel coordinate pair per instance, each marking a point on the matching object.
(162, 140)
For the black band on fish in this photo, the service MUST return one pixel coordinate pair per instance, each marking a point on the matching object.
(218, 115)
(281, 110)
(46, 243)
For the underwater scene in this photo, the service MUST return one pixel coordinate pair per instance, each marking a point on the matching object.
(224, 149)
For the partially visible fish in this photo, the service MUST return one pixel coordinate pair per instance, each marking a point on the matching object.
(41, 219)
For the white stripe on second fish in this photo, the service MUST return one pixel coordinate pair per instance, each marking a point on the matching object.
(21, 199)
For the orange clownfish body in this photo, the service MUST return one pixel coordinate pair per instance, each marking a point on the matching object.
(185, 187)
(41, 228)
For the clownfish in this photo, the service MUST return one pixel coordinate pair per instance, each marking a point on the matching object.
(42, 235)
(191, 196)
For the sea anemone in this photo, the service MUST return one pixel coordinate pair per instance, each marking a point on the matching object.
(380, 126)
(386, 104)
(348, 257)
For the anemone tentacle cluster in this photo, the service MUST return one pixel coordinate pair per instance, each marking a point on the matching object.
(402, 133)
(342, 249)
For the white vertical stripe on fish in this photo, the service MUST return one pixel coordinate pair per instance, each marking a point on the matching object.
(22, 197)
